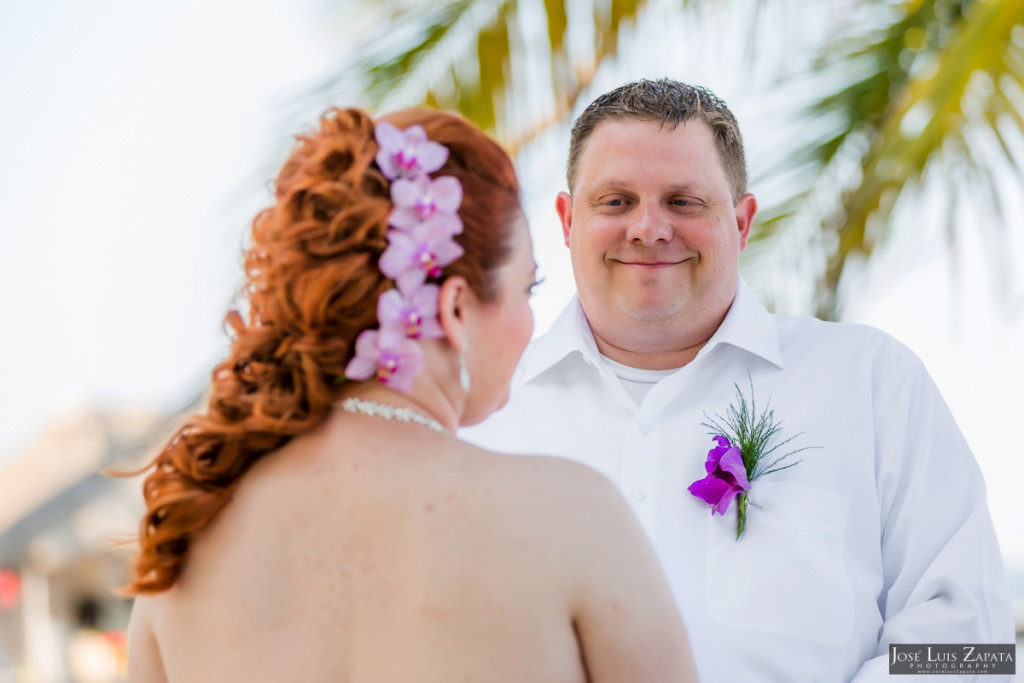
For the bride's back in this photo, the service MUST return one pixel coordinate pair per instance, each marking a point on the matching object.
(372, 551)
(286, 539)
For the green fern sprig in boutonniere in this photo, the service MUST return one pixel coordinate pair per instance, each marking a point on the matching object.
(748, 448)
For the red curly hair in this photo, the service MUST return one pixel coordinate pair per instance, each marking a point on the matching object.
(312, 284)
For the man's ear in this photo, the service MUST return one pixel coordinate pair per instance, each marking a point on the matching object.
(563, 204)
(746, 209)
(454, 302)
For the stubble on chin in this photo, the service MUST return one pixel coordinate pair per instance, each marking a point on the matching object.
(650, 299)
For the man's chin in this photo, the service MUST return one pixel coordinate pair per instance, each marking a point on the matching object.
(652, 310)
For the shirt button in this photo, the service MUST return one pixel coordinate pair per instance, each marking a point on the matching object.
(587, 361)
(645, 427)
(639, 496)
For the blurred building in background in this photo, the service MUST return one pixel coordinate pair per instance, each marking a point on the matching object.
(66, 539)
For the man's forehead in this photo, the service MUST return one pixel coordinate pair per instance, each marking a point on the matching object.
(629, 135)
(657, 160)
(645, 125)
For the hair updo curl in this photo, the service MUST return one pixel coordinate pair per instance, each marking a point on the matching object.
(312, 284)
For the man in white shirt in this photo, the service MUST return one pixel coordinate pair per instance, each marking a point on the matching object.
(877, 534)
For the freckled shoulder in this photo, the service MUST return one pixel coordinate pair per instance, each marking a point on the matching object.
(595, 550)
(565, 499)
(536, 476)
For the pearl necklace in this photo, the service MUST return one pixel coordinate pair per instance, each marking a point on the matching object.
(382, 410)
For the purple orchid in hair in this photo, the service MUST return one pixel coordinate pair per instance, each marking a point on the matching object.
(435, 202)
(413, 256)
(422, 223)
(387, 354)
(727, 477)
(414, 312)
(408, 153)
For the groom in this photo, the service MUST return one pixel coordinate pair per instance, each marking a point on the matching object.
(874, 530)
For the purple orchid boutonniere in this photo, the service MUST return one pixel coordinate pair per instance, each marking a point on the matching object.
(744, 453)
(727, 477)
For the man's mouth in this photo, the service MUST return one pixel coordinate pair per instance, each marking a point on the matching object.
(650, 263)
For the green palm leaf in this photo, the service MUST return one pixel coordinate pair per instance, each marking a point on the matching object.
(482, 58)
(943, 73)
(921, 82)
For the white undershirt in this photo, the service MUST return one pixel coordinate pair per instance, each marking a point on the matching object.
(636, 381)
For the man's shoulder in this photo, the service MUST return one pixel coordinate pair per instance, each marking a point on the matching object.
(840, 339)
(809, 325)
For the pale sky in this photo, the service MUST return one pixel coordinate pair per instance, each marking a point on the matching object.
(135, 143)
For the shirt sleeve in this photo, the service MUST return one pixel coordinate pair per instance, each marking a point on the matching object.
(943, 576)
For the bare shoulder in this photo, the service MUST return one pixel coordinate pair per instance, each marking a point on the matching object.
(595, 548)
(564, 500)
(542, 478)
(145, 665)
(577, 500)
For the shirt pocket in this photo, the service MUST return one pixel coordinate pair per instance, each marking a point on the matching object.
(786, 574)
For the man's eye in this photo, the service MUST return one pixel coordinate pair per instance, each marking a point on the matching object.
(615, 202)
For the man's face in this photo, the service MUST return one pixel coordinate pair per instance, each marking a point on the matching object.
(654, 235)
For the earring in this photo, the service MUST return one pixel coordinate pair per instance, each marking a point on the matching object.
(464, 380)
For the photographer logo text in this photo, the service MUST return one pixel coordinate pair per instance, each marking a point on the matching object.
(952, 659)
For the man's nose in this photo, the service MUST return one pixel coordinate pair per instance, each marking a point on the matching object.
(649, 226)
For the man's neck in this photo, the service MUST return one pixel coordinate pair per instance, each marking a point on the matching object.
(649, 359)
(656, 345)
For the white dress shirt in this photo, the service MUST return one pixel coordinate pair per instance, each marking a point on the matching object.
(880, 535)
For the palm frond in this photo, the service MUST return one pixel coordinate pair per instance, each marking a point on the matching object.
(513, 67)
(933, 75)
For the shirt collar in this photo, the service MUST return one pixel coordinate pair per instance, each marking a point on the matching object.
(747, 325)
(569, 336)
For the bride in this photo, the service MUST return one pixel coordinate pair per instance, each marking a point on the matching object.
(320, 521)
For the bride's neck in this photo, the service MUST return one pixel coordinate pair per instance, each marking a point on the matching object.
(428, 397)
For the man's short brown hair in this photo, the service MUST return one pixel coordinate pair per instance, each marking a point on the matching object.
(671, 103)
